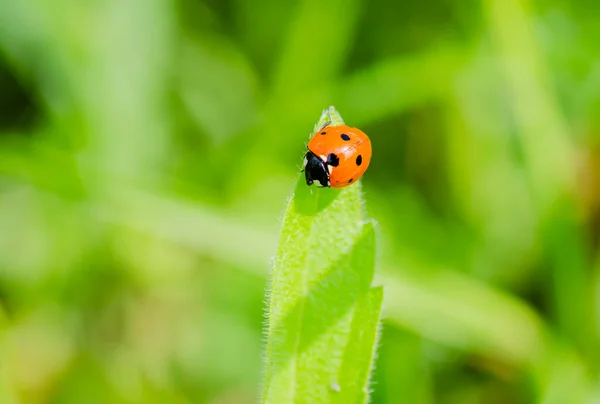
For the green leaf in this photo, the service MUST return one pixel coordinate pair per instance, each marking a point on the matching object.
(323, 314)
(358, 359)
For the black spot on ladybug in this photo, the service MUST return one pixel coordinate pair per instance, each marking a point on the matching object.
(333, 160)
(323, 133)
(345, 137)
(350, 180)
(359, 160)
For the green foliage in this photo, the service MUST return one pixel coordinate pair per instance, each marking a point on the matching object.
(323, 313)
(147, 146)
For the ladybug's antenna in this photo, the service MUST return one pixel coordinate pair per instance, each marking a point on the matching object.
(326, 124)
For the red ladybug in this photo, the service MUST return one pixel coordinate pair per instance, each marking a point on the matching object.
(337, 156)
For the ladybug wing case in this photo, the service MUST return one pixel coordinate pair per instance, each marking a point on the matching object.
(354, 161)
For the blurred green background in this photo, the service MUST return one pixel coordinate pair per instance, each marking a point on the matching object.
(147, 148)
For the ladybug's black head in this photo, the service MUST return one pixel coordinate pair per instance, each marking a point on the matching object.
(315, 170)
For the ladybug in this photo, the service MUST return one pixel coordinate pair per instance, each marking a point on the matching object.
(337, 156)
